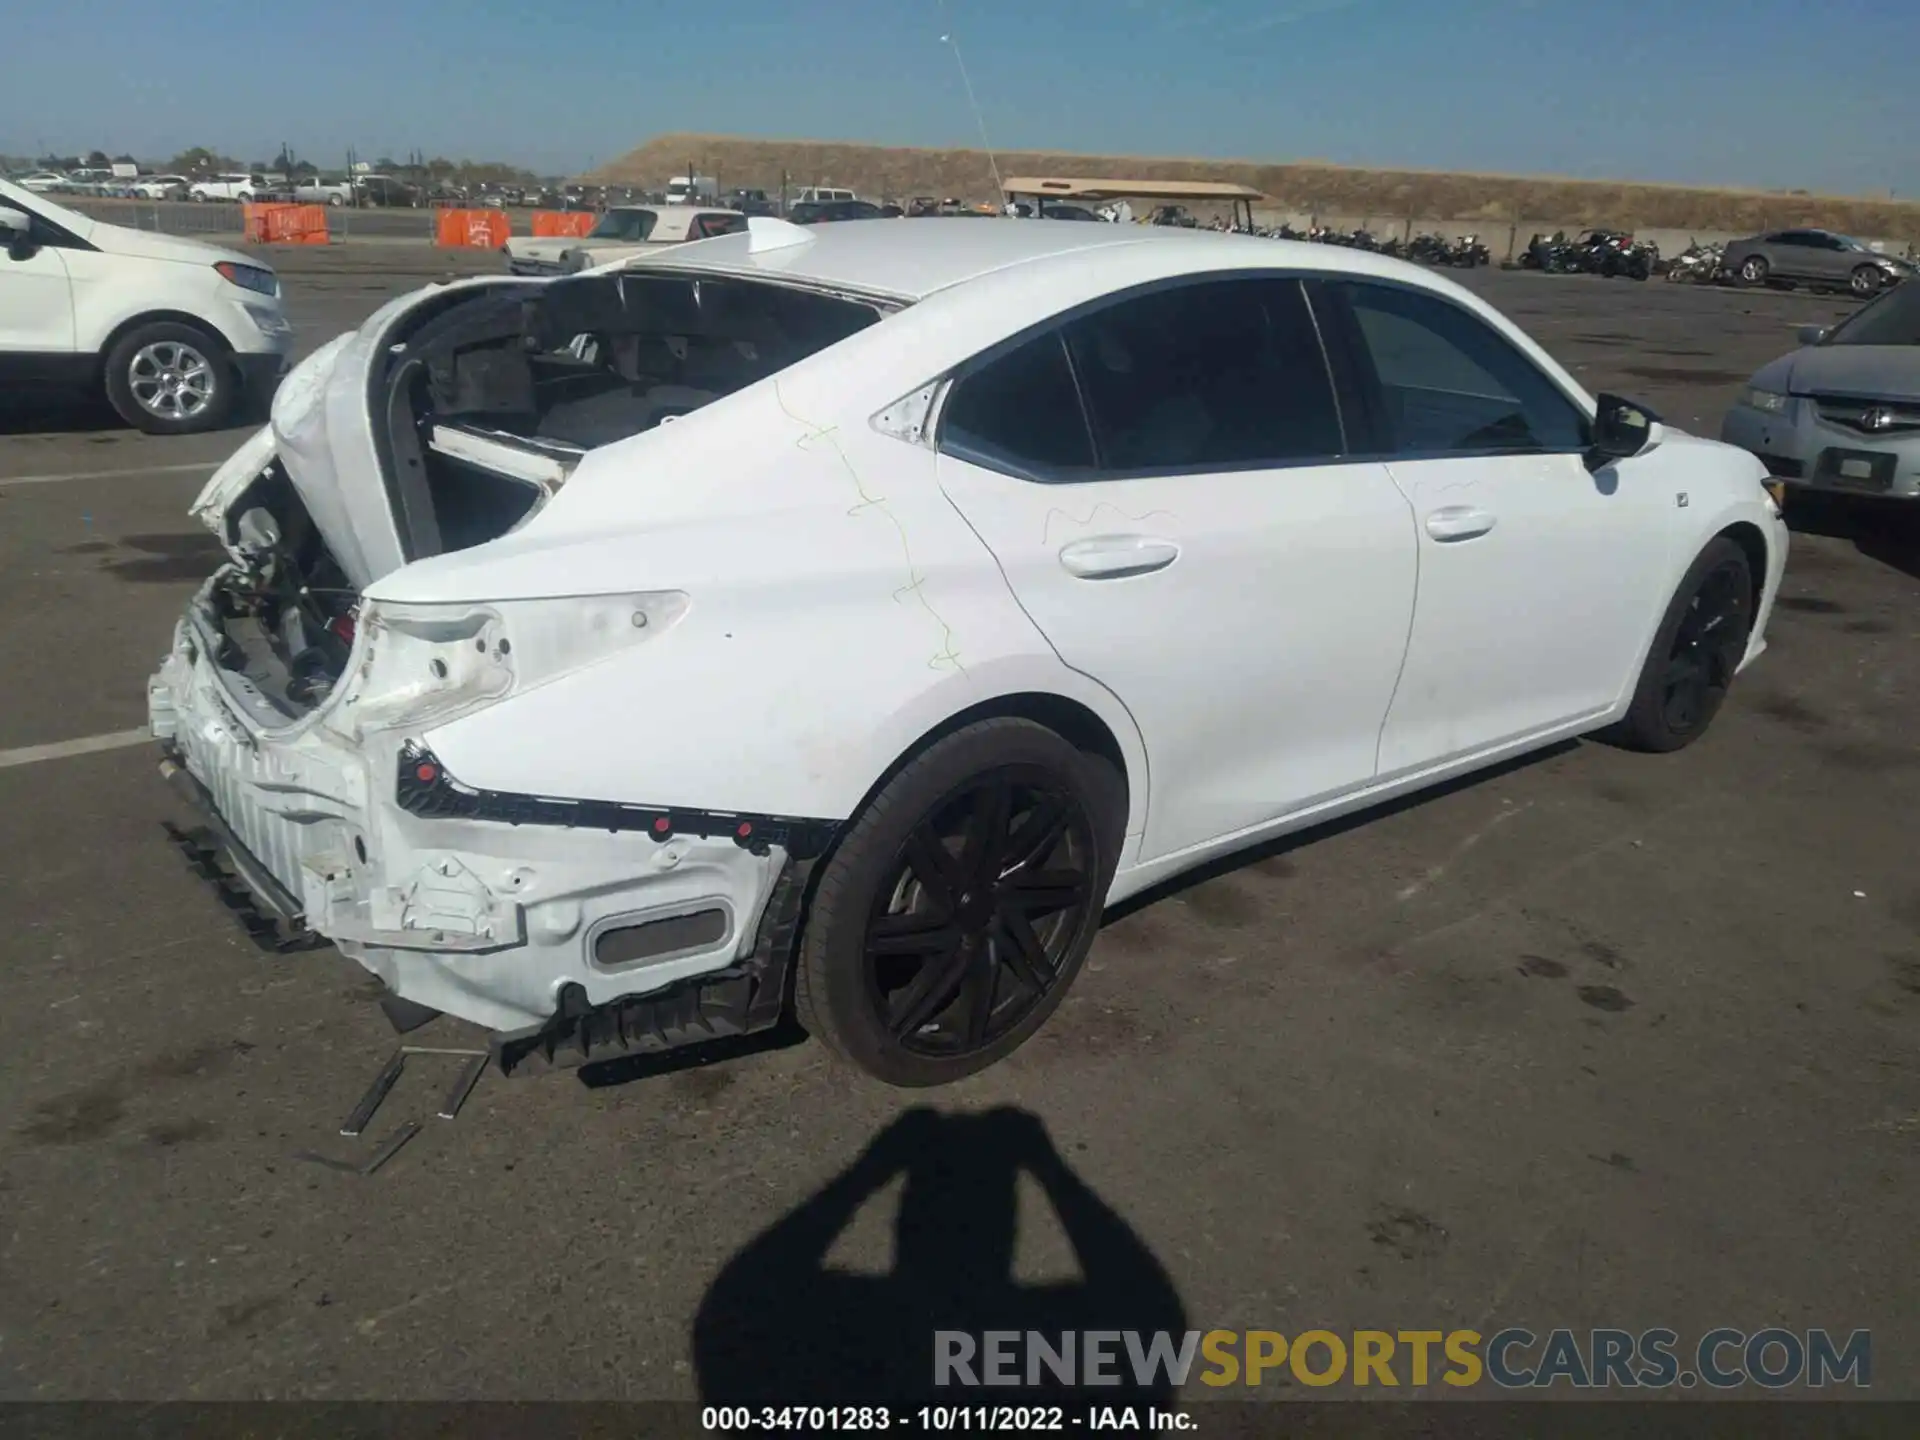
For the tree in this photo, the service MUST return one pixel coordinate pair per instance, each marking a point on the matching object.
(201, 161)
(97, 160)
(125, 160)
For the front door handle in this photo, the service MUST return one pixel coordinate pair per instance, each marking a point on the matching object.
(1111, 557)
(1459, 522)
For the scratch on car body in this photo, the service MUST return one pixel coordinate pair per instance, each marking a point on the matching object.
(948, 654)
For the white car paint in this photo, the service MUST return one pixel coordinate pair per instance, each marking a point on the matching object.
(235, 186)
(71, 297)
(814, 587)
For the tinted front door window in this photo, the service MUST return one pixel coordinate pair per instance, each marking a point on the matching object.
(1451, 385)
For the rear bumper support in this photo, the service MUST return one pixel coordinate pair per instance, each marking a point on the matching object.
(740, 1000)
(268, 914)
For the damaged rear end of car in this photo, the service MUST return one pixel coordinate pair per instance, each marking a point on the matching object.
(293, 705)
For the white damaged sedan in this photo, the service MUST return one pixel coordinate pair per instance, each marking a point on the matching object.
(833, 621)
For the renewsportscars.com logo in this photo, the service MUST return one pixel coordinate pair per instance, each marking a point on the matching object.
(1513, 1359)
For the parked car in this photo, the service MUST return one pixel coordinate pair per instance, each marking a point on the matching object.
(40, 182)
(1813, 257)
(162, 187)
(822, 195)
(541, 769)
(235, 186)
(174, 333)
(620, 233)
(385, 191)
(1843, 411)
(819, 212)
(751, 202)
(315, 191)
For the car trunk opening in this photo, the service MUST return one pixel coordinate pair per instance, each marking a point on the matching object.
(481, 409)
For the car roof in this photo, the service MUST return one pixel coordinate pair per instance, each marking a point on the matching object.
(910, 259)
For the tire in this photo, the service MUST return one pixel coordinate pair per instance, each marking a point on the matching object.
(1753, 270)
(1865, 281)
(1699, 644)
(166, 358)
(912, 966)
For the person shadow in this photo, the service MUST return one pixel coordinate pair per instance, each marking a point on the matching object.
(779, 1327)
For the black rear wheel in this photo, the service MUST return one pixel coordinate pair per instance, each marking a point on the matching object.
(953, 916)
(1700, 643)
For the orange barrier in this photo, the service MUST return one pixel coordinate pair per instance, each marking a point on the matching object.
(285, 224)
(552, 224)
(471, 229)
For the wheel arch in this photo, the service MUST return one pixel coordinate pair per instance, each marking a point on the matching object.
(1753, 545)
(1076, 722)
(165, 317)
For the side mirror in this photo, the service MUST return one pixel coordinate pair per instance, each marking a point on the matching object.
(1812, 334)
(1621, 429)
(16, 233)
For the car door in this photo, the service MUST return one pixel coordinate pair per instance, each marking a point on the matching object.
(36, 301)
(1799, 256)
(1538, 578)
(1163, 479)
(1834, 258)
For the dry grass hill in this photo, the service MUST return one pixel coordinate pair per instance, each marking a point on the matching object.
(1330, 191)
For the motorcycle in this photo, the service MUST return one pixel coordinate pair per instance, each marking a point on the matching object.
(1467, 253)
(1696, 265)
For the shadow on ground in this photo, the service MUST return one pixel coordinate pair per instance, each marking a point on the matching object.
(778, 1326)
(1884, 530)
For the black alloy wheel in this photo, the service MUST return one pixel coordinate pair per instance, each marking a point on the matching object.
(956, 907)
(1698, 647)
(976, 922)
(1706, 649)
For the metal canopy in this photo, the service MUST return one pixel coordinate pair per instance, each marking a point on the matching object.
(1070, 188)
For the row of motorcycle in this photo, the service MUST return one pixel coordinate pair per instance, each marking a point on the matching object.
(1616, 252)
(1464, 252)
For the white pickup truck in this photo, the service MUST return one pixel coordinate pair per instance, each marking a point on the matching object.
(227, 187)
(323, 192)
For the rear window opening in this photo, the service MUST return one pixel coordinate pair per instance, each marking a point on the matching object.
(491, 403)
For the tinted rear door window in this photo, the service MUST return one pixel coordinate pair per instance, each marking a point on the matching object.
(1213, 376)
(1020, 413)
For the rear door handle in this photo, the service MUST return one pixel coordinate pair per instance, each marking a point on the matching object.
(1459, 522)
(1111, 557)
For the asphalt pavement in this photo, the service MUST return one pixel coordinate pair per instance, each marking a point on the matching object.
(1601, 1039)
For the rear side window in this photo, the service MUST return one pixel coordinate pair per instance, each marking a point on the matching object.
(710, 225)
(1450, 384)
(1021, 413)
(1214, 376)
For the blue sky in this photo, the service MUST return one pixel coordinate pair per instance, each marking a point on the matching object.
(1815, 94)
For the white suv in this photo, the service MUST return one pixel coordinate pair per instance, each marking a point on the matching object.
(173, 331)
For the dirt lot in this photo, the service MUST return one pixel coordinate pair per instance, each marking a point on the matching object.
(1602, 1040)
(1531, 201)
